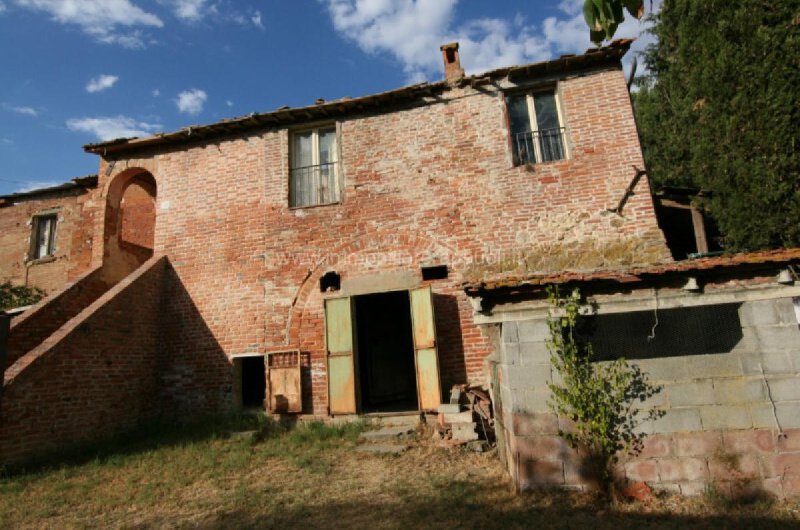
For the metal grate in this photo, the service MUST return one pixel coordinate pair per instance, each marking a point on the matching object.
(312, 185)
(533, 147)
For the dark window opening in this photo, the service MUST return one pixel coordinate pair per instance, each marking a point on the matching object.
(537, 134)
(43, 241)
(330, 281)
(254, 381)
(385, 350)
(434, 272)
(676, 332)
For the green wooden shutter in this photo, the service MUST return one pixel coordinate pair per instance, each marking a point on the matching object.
(425, 352)
(341, 362)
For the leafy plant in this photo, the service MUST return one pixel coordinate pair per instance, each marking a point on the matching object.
(18, 295)
(604, 16)
(598, 398)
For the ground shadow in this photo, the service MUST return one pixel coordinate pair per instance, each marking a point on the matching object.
(452, 365)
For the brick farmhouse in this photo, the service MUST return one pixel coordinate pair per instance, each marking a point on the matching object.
(382, 248)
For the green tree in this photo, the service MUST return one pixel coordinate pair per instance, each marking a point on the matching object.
(720, 111)
(604, 16)
(18, 295)
(604, 401)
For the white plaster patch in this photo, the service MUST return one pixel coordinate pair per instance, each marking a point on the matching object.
(165, 205)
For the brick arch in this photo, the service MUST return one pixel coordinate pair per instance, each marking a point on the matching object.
(129, 221)
(411, 244)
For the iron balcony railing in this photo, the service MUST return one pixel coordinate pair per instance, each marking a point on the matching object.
(312, 185)
(538, 146)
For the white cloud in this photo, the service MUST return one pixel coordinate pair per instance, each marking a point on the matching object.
(99, 18)
(191, 101)
(31, 185)
(229, 103)
(112, 127)
(2, 8)
(412, 31)
(101, 82)
(6, 141)
(155, 92)
(190, 10)
(25, 111)
(256, 19)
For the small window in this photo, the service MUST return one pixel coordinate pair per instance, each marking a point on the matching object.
(43, 240)
(314, 178)
(537, 134)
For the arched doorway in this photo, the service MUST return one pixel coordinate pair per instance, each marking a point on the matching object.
(130, 223)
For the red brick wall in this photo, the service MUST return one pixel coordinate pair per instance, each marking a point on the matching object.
(35, 325)
(432, 183)
(97, 376)
(138, 213)
(73, 240)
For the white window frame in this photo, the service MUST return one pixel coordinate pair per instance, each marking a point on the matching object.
(34, 252)
(530, 97)
(315, 162)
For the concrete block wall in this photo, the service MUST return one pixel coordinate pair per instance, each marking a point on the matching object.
(430, 183)
(97, 376)
(731, 418)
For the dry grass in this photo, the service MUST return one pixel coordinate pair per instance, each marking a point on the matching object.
(311, 478)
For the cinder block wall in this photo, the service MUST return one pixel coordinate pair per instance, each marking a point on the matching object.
(97, 376)
(732, 419)
(426, 183)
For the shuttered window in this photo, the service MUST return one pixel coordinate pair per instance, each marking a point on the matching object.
(43, 236)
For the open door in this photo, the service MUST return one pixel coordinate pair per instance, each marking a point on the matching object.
(425, 354)
(341, 361)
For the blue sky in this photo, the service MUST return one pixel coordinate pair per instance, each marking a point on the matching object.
(78, 71)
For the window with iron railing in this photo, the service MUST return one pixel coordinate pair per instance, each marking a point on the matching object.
(43, 236)
(537, 134)
(314, 174)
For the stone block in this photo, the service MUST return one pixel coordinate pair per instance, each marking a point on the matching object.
(533, 401)
(763, 415)
(670, 369)
(700, 392)
(779, 338)
(509, 333)
(657, 445)
(692, 488)
(779, 362)
(748, 343)
(458, 417)
(790, 442)
(542, 447)
(678, 420)
(788, 413)
(535, 424)
(540, 474)
(739, 390)
(714, 365)
(785, 465)
(642, 470)
(682, 469)
(759, 313)
(511, 353)
(529, 377)
(784, 388)
(730, 466)
(464, 431)
(533, 353)
(449, 408)
(696, 443)
(786, 312)
(720, 417)
(533, 331)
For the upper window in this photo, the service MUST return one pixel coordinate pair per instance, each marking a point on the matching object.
(43, 241)
(314, 175)
(536, 132)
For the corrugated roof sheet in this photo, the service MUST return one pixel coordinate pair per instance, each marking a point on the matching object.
(322, 110)
(635, 274)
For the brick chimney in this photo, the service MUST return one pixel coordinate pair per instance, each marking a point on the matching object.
(453, 73)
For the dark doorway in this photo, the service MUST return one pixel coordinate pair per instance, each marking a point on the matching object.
(387, 375)
(254, 382)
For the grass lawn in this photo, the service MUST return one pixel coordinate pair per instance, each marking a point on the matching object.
(310, 477)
